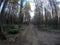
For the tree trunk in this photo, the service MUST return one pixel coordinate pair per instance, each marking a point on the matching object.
(54, 11)
(21, 15)
(2, 36)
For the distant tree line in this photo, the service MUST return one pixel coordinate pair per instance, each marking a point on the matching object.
(44, 16)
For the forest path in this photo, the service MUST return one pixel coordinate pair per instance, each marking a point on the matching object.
(31, 35)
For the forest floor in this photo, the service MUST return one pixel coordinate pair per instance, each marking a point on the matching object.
(31, 35)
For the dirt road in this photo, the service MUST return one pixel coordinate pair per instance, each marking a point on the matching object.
(33, 36)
